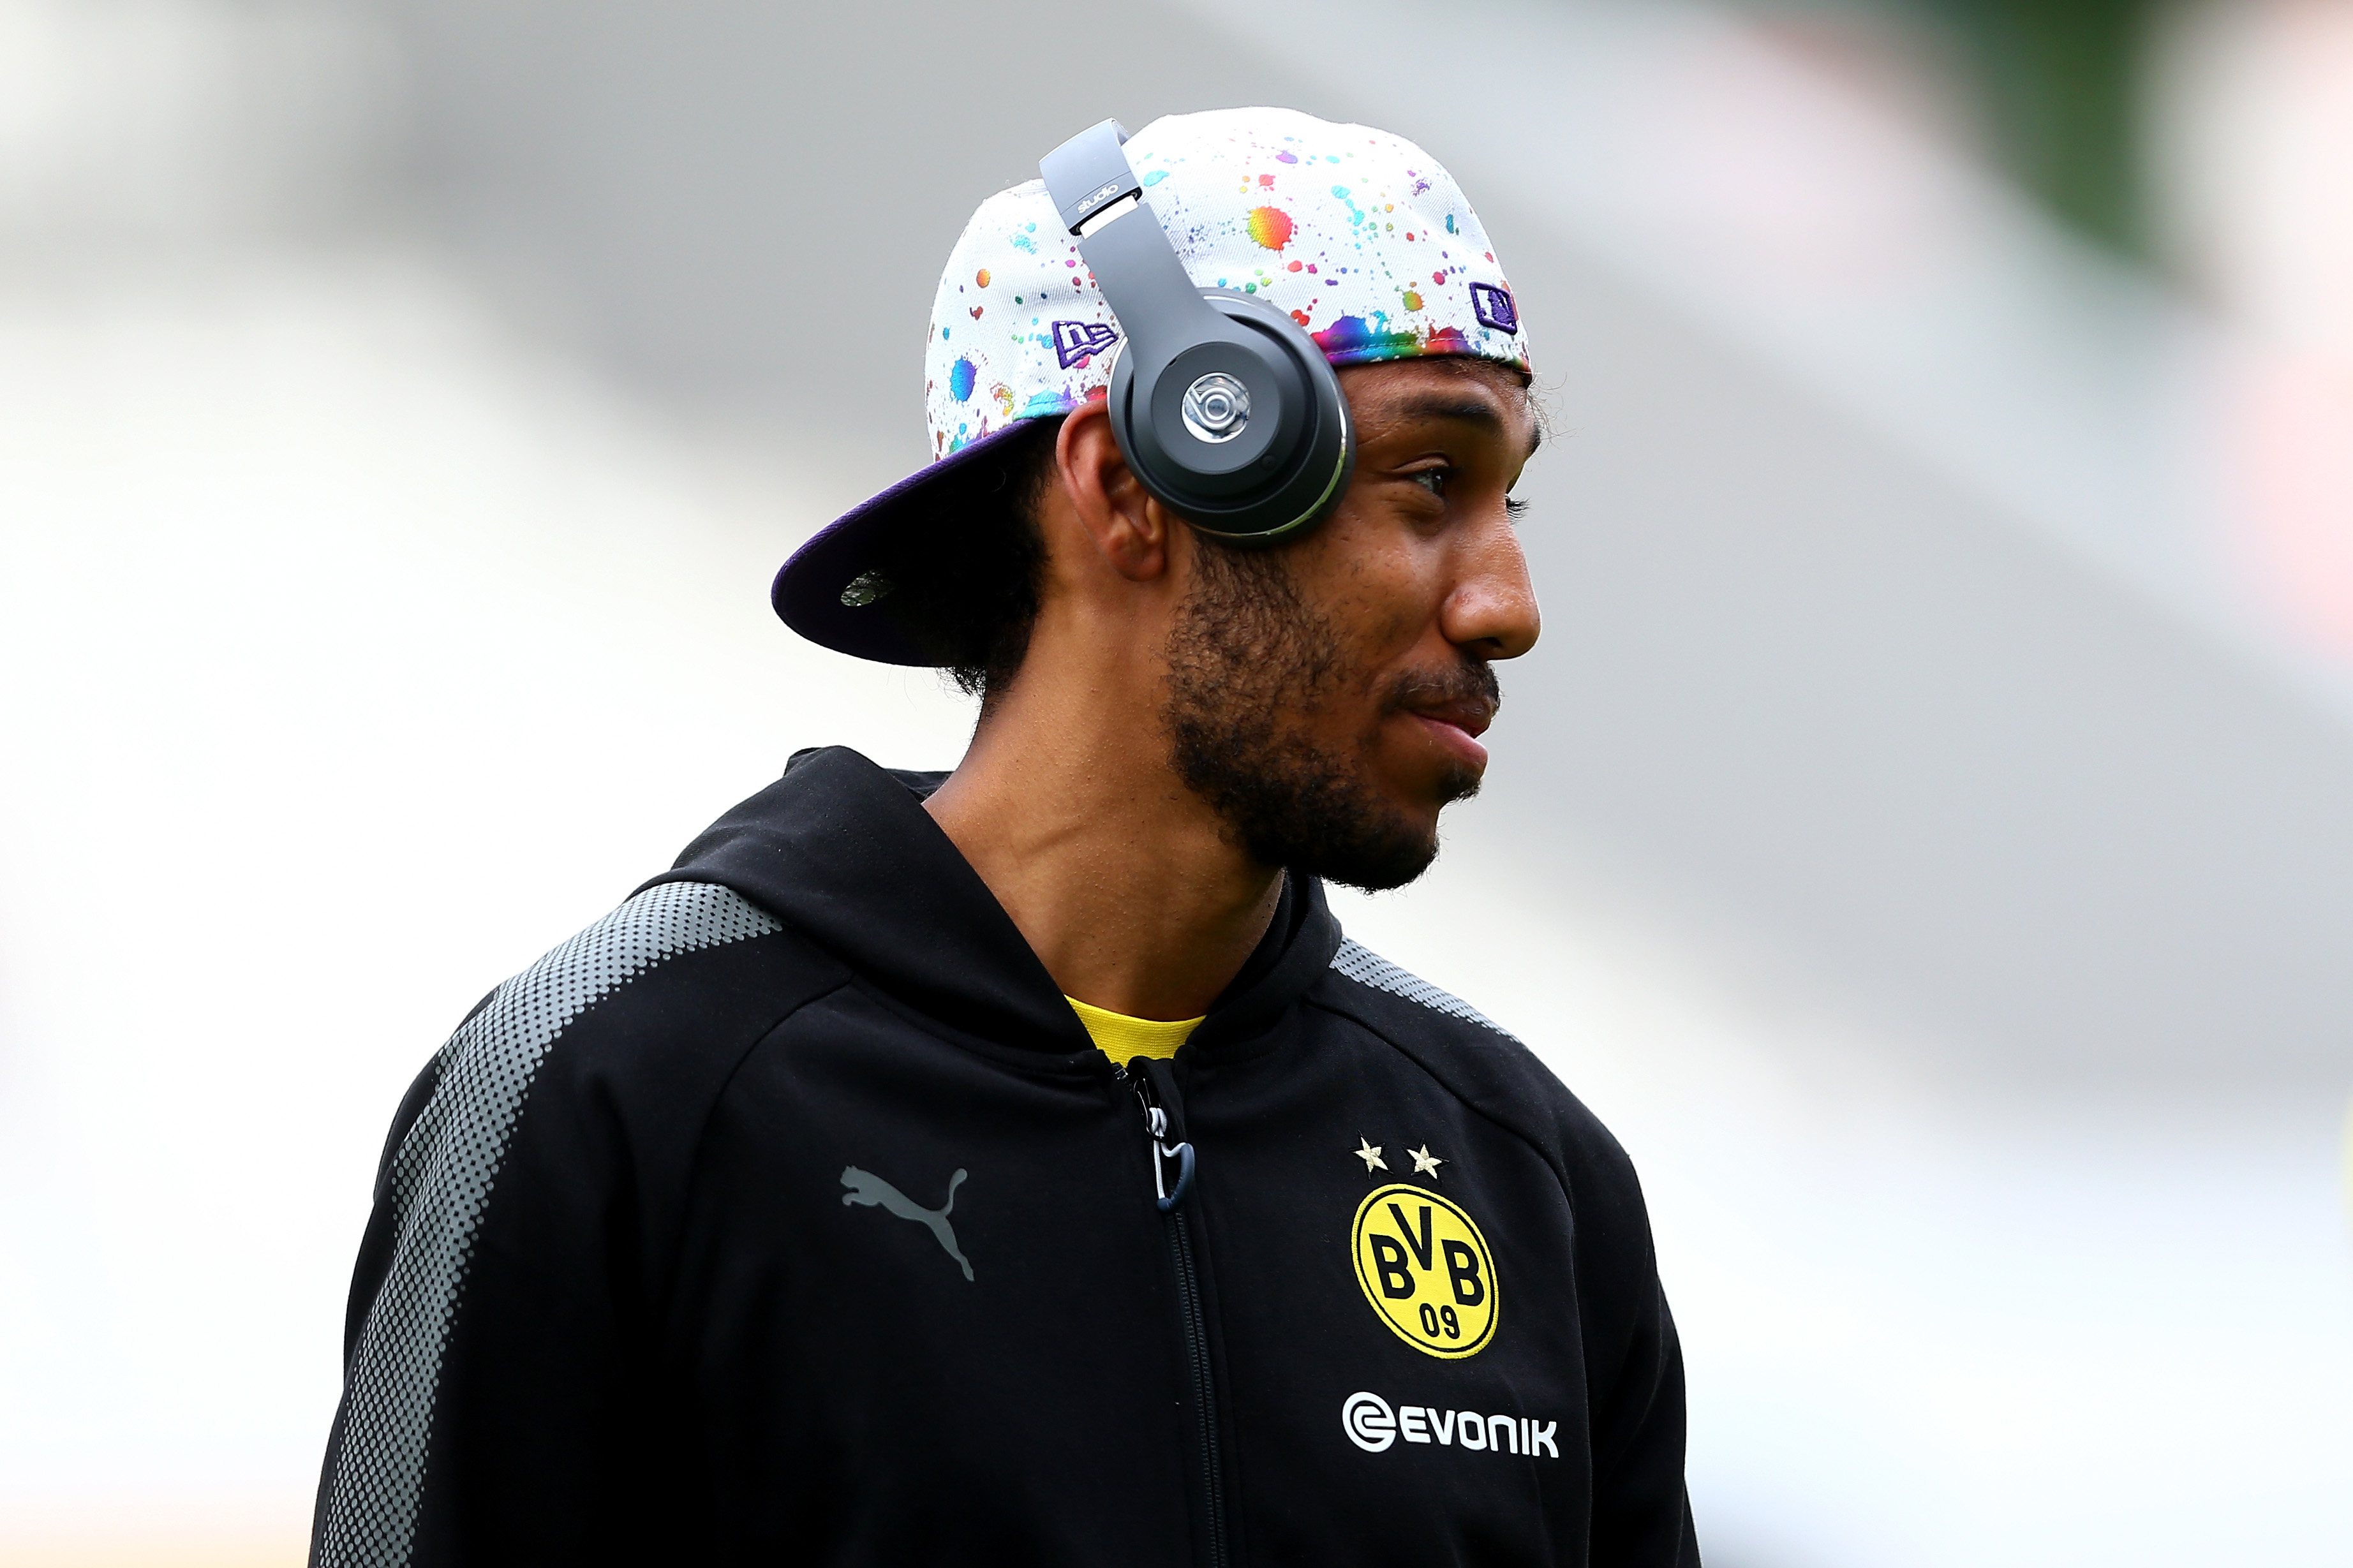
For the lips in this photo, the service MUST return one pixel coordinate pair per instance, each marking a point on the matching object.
(1453, 708)
(1456, 727)
(1470, 715)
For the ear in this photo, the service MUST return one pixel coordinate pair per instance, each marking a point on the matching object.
(1128, 529)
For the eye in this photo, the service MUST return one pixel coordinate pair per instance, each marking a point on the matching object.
(1515, 508)
(1434, 480)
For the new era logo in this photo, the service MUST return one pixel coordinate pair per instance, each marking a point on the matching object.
(1077, 341)
(1494, 307)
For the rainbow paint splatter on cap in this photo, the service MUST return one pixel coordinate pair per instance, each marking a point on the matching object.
(1359, 235)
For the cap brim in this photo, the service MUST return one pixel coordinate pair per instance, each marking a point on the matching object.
(807, 595)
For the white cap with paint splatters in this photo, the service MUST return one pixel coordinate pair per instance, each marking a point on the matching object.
(1359, 234)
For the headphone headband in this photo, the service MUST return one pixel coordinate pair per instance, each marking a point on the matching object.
(1089, 172)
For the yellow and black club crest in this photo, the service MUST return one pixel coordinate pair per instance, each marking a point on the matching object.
(1426, 1270)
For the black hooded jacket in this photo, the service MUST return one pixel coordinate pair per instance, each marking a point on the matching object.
(788, 1215)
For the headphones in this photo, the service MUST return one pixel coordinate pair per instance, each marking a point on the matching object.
(1224, 407)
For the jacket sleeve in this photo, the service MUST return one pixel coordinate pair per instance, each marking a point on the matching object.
(1634, 1366)
(488, 1385)
(498, 1401)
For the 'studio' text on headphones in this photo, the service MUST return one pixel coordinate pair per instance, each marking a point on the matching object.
(1223, 405)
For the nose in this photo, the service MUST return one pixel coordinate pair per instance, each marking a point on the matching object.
(1491, 612)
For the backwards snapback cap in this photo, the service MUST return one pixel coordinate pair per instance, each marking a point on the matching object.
(1360, 235)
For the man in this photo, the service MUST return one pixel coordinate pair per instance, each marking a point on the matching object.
(1020, 1166)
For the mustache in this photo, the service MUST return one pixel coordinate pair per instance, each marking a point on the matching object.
(1473, 680)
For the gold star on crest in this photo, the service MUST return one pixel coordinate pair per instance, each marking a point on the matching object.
(1425, 1163)
(1370, 1153)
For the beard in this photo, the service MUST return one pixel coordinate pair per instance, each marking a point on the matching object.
(1249, 665)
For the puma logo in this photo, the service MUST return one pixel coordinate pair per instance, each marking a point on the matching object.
(865, 1188)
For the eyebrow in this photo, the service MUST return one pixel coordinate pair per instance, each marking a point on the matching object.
(1474, 411)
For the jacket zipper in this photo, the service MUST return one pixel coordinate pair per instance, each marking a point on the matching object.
(1170, 1198)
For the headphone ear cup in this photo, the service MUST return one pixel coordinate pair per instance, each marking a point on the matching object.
(1261, 486)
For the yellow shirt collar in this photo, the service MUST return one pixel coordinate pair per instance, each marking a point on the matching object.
(1122, 1038)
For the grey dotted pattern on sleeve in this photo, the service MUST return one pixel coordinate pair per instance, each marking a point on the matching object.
(441, 1185)
(1366, 967)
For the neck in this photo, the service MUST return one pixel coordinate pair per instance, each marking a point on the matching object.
(1120, 878)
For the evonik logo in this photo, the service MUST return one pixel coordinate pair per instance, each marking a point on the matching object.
(1372, 1425)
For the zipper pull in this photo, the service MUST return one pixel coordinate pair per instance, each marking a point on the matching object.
(1155, 1129)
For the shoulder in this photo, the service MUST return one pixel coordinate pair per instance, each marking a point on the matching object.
(1489, 1068)
(634, 1023)
(598, 1065)
(676, 962)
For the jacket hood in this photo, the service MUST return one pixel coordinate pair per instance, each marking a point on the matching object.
(843, 852)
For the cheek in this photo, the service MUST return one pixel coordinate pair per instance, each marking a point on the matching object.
(1376, 596)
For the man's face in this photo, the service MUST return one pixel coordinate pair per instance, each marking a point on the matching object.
(1326, 697)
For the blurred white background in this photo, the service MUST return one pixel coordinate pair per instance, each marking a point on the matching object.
(1925, 834)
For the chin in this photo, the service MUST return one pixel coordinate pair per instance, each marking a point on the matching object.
(1366, 818)
(1379, 868)
(1385, 847)
(1432, 790)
